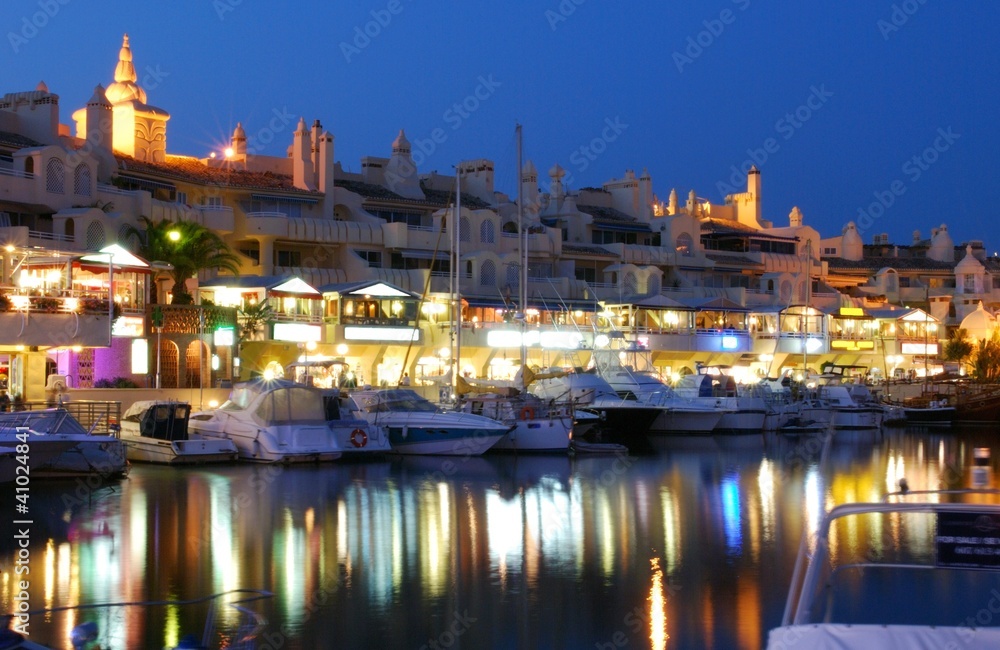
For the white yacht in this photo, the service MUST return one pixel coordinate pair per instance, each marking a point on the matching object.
(271, 421)
(590, 393)
(744, 406)
(156, 431)
(416, 426)
(58, 445)
(536, 425)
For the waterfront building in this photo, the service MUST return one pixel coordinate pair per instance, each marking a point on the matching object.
(362, 266)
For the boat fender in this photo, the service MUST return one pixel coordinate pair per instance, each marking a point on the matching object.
(527, 413)
(359, 438)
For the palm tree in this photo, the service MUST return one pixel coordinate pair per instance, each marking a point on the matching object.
(188, 246)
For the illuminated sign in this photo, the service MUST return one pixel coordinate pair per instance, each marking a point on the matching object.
(920, 348)
(503, 339)
(533, 338)
(852, 346)
(729, 342)
(225, 336)
(140, 357)
(128, 327)
(851, 311)
(389, 334)
(298, 332)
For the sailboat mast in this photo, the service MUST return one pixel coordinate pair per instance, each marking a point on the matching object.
(522, 239)
(456, 226)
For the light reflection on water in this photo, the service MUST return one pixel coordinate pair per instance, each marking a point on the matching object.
(691, 548)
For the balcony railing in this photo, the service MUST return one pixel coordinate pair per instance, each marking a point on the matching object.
(16, 173)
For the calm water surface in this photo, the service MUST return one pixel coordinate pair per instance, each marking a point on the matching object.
(690, 548)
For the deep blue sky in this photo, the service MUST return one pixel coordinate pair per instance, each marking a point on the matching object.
(562, 75)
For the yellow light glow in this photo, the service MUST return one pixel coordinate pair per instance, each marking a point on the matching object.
(213, 403)
(174, 235)
(310, 345)
(229, 152)
(342, 349)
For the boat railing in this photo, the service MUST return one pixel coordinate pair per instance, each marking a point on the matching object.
(814, 571)
(97, 417)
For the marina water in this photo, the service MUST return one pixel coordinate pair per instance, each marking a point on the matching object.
(689, 548)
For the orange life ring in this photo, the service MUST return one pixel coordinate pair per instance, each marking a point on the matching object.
(527, 413)
(359, 438)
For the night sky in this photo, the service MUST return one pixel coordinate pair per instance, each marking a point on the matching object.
(838, 103)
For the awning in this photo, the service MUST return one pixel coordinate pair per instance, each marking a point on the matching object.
(283, 197)
(533, 303)
(418, 254)
(147, 184)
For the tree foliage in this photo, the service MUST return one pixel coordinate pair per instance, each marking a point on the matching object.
(252, 318)
(958, 348)
(986, 359)
(194, 248)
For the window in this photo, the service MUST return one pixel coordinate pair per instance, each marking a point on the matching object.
(213, 201)
(829, 250)
(969, 283)
(96, 237)
(276, 204)
(288, 258)
(252, 253)
(411, 219)
(81, 180)
(182, 197)
(464, 229)
(29, 165)
(514, 275)
(630, 284)
(487, 232)
(373, 258)
(488, 274)
(55, 176)
(684, 244)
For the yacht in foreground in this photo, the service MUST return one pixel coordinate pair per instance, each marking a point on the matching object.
(925, 585)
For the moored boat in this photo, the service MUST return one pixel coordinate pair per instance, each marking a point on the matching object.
(271, 421)
(59, 446)
(415, 426)
(155, 431)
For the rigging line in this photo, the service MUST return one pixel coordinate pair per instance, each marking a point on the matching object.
(423, 296)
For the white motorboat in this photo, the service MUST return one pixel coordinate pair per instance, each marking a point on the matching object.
(271, 421)
(156, 431)
(536, 425)
(851, 406)
(590, 393)
(355, 436)
(631, 374)
(923, 574)
(744, 407)
(416, 426)
(59, 446)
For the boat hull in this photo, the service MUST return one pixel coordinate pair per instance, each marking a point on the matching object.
(179, 452)
(441, 440)
(277, 444)
(687, 421)
(939, 416)
(538, 434)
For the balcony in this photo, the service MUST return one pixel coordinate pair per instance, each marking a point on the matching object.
(218, 218)
(274, 224)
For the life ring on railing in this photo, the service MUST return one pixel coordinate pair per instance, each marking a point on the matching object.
(527, 413)
(359, 438)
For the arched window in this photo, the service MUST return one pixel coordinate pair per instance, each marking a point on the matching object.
(70, 229)
(29, 165)
(770, 286)
(510, 227)
(488, 274)
(464, 229)
(786, 291)
(630, 284)
(96, 237)
(487, 232)
(55, 176)
(685, 244)
(514, 275)
(81, 180)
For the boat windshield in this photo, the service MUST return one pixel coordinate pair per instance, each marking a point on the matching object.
(291, 405)
(397, 400)
(50, 421)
